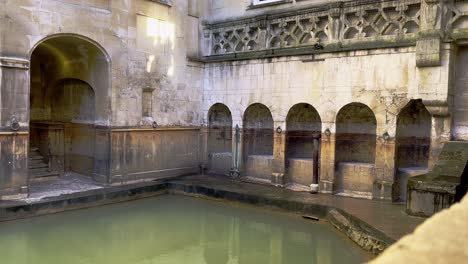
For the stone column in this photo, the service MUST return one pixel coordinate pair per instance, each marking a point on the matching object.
(384, 167)
(327, 161)
(440, 127)
(279, 154)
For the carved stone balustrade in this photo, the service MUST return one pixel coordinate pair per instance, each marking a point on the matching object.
(342, 26)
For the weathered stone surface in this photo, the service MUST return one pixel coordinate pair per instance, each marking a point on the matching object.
(355, 232)
(440, 239)
(259, 166)
(301, 171)
(355, 179)
(134, 54)
(434, 191)
(219, 163)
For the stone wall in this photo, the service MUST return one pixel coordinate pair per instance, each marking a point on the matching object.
(148, 154)
(381, 54)
(385, 80)
(156, 66)
(121, 49)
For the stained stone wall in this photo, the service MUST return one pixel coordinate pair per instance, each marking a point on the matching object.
(460, 115)
(187, 56)
(375, 53)
(145, 46)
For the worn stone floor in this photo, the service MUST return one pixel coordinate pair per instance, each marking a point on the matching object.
(67, 184)
(389, 218)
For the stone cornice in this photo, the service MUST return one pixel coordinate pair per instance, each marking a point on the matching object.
(341, 26)
(12, 62)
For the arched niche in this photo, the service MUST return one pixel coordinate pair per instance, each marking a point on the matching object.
(219, 139)
(258, 141)
(303, 129)
(413, 140)
(69, 56)
(355, 148)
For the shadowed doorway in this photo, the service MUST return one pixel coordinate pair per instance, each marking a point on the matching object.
(69, 98)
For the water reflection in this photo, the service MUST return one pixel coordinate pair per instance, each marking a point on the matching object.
(172, 229)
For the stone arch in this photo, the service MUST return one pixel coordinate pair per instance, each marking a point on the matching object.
(258, 141)
(70, 95)
(355, 148)
(303, 130)
(219, 139)
(73, 56)
(413, 140)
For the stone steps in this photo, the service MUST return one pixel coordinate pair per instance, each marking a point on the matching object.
(38, 169)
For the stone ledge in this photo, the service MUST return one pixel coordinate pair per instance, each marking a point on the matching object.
(357, 229)
(308, 50)
(252, 6)
(352, 228)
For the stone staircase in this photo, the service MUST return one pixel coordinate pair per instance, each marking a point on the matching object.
(38, 168)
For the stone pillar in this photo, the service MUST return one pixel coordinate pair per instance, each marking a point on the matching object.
(279, 154)
(384, 167)
(203, 152)
(14, 135)
(439, 135)
(102, 155)
(440, 128)
(327, 161)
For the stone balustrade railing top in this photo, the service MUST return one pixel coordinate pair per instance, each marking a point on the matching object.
(351, 24)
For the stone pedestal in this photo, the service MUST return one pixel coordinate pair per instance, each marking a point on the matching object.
(355, 179)
(13, 165)
(219, 163)
(301, 171)
(259, 167)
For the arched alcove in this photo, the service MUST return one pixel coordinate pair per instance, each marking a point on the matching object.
(355, 150)
(413, 140)
(69, 96)
(303, 129)
(219, 139)
(258, 141)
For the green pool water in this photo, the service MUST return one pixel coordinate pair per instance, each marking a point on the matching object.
(174, 229)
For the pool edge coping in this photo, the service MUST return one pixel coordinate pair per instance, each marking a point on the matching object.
(363, 234)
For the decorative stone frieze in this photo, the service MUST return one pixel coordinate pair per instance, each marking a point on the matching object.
(348, 25)
(335, 24)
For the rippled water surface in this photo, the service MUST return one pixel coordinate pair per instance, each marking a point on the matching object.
(173, 229)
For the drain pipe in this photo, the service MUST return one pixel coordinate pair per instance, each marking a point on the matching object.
(235, 173)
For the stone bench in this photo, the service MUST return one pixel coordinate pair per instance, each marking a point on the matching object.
(301, 171)
(432, 192)
(219, 163)
(355, 179)
(259, 167)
